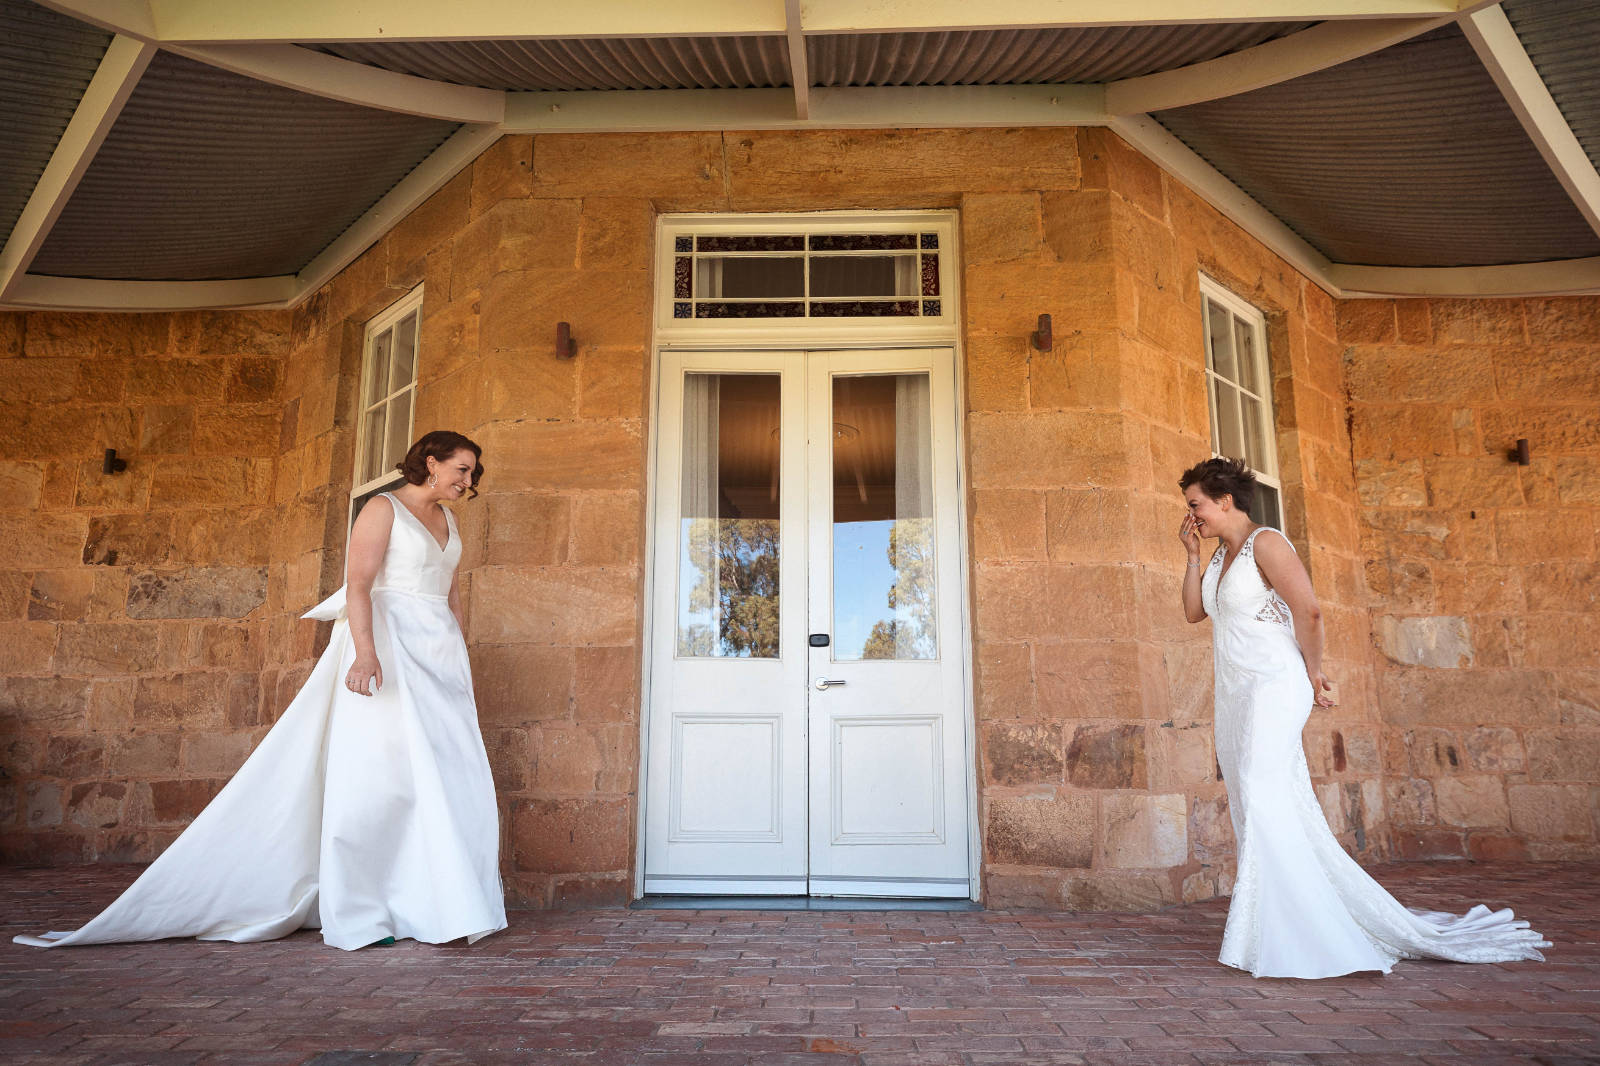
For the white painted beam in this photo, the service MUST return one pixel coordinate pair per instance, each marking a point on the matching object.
(887, 16)
(312, 21)
(1502, 54)
(799, 66)
(113, 82)
(355, 83)
(1567, 277)
(445, 162)
(40, 292)
(932, 106)
(1324, 45)
(129, 17)
(1177, 159)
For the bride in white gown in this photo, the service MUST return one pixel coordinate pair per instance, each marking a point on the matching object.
(1301, 907)
(368, 809)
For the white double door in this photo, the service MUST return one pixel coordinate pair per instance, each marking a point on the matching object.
(807, 691)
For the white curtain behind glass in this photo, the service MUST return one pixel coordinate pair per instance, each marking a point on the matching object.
(702, 398)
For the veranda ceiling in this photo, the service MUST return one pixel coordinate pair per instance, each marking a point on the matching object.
(183, 153)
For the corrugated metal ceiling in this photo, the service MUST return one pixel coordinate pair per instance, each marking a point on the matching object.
(212, 175)
(1563, 40)
(624, 63)
(46, 62)
(1410, 157)
(1021, 57)
(986, 57)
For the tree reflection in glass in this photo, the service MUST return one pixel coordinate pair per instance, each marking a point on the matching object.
(728, 527)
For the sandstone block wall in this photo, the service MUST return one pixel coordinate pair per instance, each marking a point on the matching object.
(133, 605)
(1484, 579)
(156, 613)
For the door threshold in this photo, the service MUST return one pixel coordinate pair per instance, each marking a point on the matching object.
(799, 903)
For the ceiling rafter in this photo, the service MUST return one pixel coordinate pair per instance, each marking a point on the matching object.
(1324, 45)
(799, 67)
(94, 294)
(1560, 277)
(1503, 56)
(113, 82)
(890, 16)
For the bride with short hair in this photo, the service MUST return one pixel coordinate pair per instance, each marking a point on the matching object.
(368, 810)
(1301, 907)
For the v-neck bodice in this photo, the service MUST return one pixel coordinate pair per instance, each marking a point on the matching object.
(415, 561)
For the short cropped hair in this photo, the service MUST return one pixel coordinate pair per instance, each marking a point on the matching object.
(1223, 477)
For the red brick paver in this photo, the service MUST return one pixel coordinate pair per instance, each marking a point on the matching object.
(798, 988)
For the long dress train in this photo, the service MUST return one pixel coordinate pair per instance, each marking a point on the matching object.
(1302, 907)
(366, 816)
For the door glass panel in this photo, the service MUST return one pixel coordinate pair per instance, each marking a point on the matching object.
(883, 530)
(728, 519)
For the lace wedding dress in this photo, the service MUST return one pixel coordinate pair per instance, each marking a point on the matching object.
(366, 816)
(1301, 906)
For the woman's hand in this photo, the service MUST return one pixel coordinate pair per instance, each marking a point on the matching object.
(365, 675)
(1190, 537)
(1320, 689)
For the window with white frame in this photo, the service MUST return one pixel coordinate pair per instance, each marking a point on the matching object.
(1240, 388)
(388, 398)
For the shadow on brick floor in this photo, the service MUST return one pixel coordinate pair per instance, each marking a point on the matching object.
(798, 988)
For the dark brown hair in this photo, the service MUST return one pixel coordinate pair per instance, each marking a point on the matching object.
(441, 444)
(1223, 477)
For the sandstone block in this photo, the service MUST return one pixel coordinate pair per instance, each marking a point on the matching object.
(1022, 753)
(60, 595)
(1089, 679)
(1211, 828)
(21, 485)
(215, 753)
(142, 755)
(198, 592)
(607, 529)
(164, 381)
(1561, 319)
(238, 430)
(180, 801)
(1563, 755)
(1144, 831)
(616, 233)
(999, 370)
(612, 383)
(253, 381)
(1555, 429)
(73, 756)
(1112, 891)
(1496, 847)
(52, 540)
(107, 648)
(527, 384)
(607, 308)
(1479, 697)
(1387, 374)
(1181, 755)
(571, 835)
(607, 685)
(96, 804)
(1439, 642)
(1491, 750)
(1552, 812)
(1107, 756)
(1189, 681)
(1472, 800)
(41, 805)
(1056, 831)
(1478, 321)
(213, 333)
(187, 701)
(996, 227)
(566, 760)
(1005, 686)
(518, 684)
(1005, 889)
(565, 456)
(1008, 524)
(1084, 370)
(504, 171)
(1367, 321)
(1389, 483)
(433, 223)
(1006, 298)
(528, 529)
(675, 171)
(558, 605)
(1421, 845)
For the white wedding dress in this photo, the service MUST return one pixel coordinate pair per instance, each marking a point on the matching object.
(1301, 906)
(366, 816)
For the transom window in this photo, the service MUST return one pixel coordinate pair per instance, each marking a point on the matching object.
(388, 398)
(841, 273)
(1240, 387)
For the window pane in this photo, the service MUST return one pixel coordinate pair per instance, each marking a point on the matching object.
(372, 443)
(1219, 325)
(728, 548)
(1232, 440)
(1267, 509)
(378, 367)
(399, 430)
(883, 531)
(1244, 337)
(865, 275)
(1256, 452)
(404, 364)
(749, 278)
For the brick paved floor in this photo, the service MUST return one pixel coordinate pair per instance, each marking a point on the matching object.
(797, 988)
